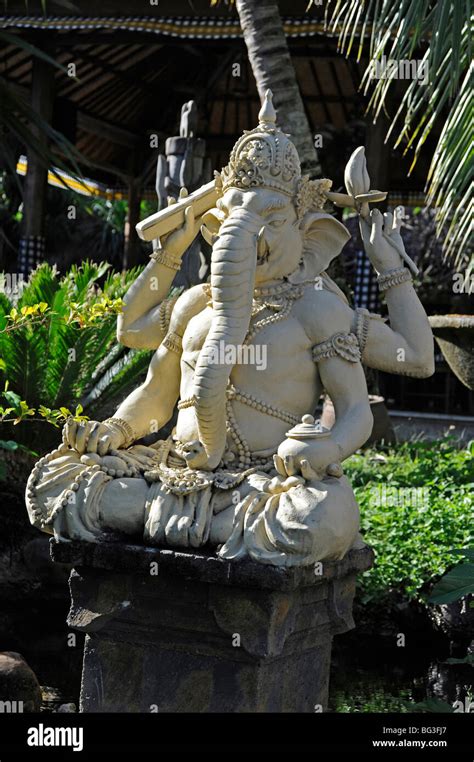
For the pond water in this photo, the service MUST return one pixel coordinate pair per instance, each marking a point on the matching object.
(374, 678)
(368, 672)
(377, 680)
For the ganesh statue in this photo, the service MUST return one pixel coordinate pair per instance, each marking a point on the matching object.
(247, 471)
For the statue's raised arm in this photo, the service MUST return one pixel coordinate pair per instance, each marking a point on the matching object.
(404, 346)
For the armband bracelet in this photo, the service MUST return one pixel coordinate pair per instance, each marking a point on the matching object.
(173, 342)
(124, 427)
(344, 345)
(161, 256)
(393, 278)
(164, 313)
(361, 328)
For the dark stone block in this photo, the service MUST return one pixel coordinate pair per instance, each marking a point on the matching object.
(204, 635)
(19, 687)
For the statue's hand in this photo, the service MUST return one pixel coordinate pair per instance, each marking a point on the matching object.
(177, 242)
(382, 239)
(92, 436)
(318, 459)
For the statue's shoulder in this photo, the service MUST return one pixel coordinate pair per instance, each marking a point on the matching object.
(192, 301)
(196, 296)
(325, 309)
(325, 296)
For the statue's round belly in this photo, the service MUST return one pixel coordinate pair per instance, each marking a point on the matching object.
(287, 388)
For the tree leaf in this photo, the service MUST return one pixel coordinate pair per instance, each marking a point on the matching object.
(454, 585)
(8, 444)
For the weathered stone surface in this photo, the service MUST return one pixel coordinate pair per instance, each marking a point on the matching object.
(19, 688)
(203, 566)
(204, 635)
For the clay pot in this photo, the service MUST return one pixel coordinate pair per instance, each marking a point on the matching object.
(455, 337)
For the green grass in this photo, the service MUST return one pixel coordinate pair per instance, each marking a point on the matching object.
(417, 507)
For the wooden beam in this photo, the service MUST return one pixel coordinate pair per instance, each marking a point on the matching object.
(90, 123)
(342, 99)
(104, 129)
(108, 169)
(310, 98)
(116, 37)
(321, 98)
(129, 76)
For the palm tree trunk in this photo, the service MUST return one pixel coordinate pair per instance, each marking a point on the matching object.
(272, 67)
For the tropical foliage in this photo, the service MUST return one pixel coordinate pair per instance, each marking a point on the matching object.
(58, 349)
(416, 502)
(438, 31)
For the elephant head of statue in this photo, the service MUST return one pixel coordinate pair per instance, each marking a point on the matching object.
(267, 227)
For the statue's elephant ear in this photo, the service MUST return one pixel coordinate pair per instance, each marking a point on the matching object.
(323, 239)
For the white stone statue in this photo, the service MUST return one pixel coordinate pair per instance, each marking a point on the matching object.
(246, 358)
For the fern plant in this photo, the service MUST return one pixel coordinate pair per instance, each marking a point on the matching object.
(58, 348)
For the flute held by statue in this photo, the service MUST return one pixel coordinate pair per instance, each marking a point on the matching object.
(171, 218)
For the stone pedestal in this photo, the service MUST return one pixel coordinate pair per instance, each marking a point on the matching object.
(172, 631)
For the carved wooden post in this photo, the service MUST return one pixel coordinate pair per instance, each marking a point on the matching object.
(185, 165)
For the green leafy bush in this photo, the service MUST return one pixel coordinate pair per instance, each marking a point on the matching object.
(58, 348)
(377, 699)
(416, 502)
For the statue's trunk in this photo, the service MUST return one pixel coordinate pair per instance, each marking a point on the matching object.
(233, 264)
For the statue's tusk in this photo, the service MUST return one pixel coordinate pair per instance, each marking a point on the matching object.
(209, 237)
(340, 199)
(262, 246)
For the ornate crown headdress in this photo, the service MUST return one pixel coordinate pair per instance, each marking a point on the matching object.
(265, 157)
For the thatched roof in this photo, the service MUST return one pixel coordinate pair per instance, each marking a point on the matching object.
(134, 73)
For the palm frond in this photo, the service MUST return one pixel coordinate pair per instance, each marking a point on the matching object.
(100, 340)
(71, 344)
(25, 364)
(56, 362)
(81, 278)
(42, 286)
(117, 379)
(15, 39)
(440, 33)
(111, 357)
(18, 120)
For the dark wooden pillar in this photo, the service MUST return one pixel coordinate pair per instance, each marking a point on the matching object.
(132, 242)
(32, 242)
